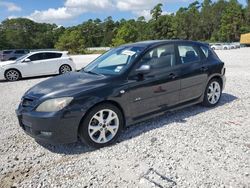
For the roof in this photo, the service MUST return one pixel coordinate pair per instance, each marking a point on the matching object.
(48, 51)
(151, 43)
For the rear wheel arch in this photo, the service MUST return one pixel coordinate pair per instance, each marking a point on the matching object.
(217, 77)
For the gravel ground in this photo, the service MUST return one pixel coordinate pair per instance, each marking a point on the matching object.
(193, 147)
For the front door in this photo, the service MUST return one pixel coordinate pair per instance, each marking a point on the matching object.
(159, 89)
(36, 65)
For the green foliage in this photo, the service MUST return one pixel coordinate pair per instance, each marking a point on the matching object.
(156, 11)
(222, 20)
(231, 22)
(71, 41)
(127, 33)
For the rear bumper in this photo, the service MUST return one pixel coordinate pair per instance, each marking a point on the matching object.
(59, 128)
(2, 77)
(224, 82)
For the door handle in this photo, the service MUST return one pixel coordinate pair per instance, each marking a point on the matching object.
(204, 69)
(172, 76)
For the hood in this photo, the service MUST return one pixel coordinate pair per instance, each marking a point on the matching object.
(3, 63)
(68, 84)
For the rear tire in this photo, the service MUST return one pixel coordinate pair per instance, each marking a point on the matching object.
(64, 69)
(12, 75)
(212, 93)
(101, 126)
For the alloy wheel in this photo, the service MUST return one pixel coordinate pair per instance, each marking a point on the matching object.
(64, 69)
(12, 75)
(214, 92)
(103, 126)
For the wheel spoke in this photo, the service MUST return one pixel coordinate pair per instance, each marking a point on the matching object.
(94, 129)
(110, 117)
(100, 117)
(102, 137)
(112, 129)
(209, 95)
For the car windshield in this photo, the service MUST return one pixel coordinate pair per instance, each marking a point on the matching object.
(115, 61)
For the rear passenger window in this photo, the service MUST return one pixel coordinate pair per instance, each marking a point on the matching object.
(52, 55)
(188, 54)
(160, 57)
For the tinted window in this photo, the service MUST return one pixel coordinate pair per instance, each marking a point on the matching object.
(188, 54)
(19, 52)
(205, 51)
(35, 57)
(52, 55)
(7, 52)
(160, 57)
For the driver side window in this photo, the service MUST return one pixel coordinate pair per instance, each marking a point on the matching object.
(160, 57)
(36, 57)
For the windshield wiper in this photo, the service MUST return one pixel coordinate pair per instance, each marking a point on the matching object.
(90, 72)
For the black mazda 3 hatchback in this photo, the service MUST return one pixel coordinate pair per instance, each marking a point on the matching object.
(126, 85)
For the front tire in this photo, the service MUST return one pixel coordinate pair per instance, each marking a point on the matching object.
(212, 93)
(12, 75)
(101, 126)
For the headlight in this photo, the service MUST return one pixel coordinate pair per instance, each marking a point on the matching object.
(54, 105)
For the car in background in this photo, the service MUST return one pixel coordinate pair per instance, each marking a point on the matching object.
(217, 46)
(6, 55)
(124, 86)
(236, 44)
(36, 64)
(227, 46)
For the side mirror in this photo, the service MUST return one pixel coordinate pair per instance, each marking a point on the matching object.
(27, 60)
(144, 69)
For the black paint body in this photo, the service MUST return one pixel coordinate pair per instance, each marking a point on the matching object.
(138, 98)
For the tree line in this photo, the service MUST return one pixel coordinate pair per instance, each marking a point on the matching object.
(208, 21)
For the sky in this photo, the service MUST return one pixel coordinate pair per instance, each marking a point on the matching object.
(73, 12)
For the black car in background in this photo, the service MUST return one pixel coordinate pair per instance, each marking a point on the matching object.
(128, 84)
(6, 55)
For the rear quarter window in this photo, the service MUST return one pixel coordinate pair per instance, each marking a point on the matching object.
(205, 51)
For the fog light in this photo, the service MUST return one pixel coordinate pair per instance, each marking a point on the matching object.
(46, 133)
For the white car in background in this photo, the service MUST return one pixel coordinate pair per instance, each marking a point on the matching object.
(36, 64)
(217, 46)
(227, 46)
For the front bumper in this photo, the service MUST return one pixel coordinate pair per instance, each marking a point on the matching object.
(52, 128)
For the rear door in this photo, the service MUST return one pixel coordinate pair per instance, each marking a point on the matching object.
(157, 90)
(193, 72)
(52, 62)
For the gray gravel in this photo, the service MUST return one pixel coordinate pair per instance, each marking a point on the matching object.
(193, 147)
